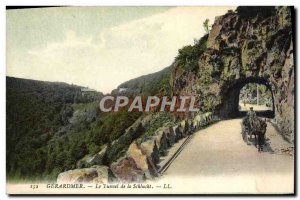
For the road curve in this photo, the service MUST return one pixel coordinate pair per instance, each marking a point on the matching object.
(217, 160)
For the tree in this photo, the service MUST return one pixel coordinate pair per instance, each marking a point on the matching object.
(206, 26)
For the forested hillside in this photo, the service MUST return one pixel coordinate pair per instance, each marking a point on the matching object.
(50, 126)
(150, 84)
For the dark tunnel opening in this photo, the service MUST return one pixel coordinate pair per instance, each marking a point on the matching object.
(231, 108)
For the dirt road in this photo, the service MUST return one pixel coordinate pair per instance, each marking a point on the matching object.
(254, 106)
(218, 161)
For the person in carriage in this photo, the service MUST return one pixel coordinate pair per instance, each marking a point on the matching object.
(252, 125)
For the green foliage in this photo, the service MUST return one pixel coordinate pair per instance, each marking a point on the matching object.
(77, 144)
(248, 94)
(159, 120)
(166, 86)
(119, 147)
(210, 102)
(206, 26)
(189, 55)
(148, 85)
(110, 126)
(48, 132)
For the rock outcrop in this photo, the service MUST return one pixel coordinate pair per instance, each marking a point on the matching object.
(98, 174)
(250, 45)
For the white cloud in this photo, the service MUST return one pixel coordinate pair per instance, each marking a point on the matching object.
(117, 54)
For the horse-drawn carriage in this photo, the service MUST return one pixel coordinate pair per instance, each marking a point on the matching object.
(254, 127)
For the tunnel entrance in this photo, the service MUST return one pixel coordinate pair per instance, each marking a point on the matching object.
(241, 94)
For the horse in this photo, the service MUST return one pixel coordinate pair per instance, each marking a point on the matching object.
(259, 131)
(257, 128)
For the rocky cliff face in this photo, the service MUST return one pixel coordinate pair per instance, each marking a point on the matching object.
(249, 45)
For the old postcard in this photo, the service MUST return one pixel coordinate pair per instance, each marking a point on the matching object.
(150, 100)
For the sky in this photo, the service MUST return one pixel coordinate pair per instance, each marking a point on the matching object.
(99, 47)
